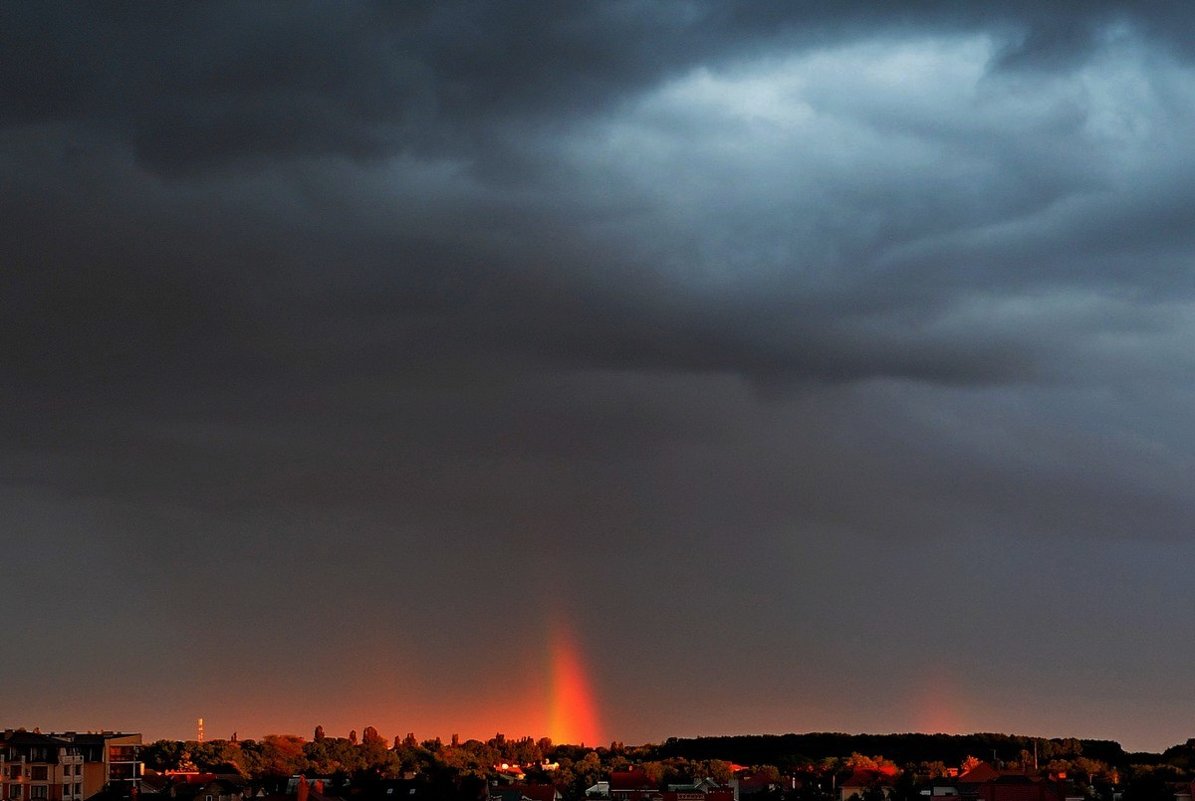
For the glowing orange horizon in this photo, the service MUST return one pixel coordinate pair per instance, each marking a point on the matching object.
(573, 715)
(938, 703)
(547, 691)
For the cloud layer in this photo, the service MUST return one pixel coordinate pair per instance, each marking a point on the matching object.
(765, 327)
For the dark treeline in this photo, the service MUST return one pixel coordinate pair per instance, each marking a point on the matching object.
(795, 750)
(812, 763)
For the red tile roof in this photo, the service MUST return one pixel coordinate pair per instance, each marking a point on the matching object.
(630, 780)
(981, 773)
(865, 777)
(536, 792)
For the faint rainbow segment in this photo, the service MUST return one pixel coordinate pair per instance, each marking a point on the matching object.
(938, 703)
(573, 716)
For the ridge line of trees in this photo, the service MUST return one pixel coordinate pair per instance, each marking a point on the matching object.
(815, 757)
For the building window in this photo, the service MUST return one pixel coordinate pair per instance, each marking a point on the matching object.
(39, 791)
(122, 771)
(78, 788)
(122, 753)
(38, 773)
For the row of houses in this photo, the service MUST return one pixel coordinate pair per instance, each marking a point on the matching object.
(195, 785)
(986, 783)
(635, 785)
(981, 782)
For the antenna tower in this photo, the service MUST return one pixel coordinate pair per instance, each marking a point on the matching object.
(199, 730)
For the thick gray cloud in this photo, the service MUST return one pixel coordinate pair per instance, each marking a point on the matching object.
(763, 326)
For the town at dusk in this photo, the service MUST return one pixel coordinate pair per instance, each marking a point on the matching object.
(540, 401)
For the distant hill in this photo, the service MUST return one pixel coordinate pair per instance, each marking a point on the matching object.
(796, 749)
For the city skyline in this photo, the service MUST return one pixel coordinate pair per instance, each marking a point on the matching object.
(623, 370)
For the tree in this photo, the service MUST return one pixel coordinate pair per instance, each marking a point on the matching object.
(353, 736)
(333, 755)
(319, 733)
(857, 761)
(1090, 767)
(162, 754)
(588, 770)
(282, 755)
(933, 769)
(219, 756)
(376, 756)
(771, 772)
(905, 787)
(715, 769)
(654, 771)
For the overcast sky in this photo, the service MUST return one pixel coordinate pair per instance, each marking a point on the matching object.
(798, 366)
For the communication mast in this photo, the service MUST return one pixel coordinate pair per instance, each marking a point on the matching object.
(199, 730)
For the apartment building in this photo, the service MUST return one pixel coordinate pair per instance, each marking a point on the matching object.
(67, 766)
(110, 758)
(40, 767)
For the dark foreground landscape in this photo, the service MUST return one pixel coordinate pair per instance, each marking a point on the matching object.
(790, 767)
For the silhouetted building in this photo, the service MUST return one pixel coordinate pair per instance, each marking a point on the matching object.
(1019, 788)
(525, 792)
(67, 766)
(40, 767)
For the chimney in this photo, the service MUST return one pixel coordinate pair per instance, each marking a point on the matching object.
(303, 789)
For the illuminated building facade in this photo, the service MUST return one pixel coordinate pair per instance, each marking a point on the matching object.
(39, 767)
(67, 766)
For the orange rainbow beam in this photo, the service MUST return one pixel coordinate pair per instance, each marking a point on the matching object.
(573, 710)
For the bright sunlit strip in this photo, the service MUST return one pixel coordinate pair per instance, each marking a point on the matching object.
(573, 716)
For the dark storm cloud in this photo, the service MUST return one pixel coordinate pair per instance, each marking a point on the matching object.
(460, 292)
(217, 82)
(187, 242)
